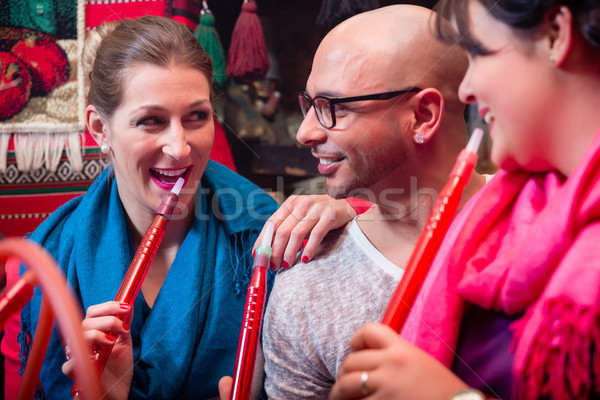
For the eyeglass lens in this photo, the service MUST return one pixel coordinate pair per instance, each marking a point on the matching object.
(322, 108)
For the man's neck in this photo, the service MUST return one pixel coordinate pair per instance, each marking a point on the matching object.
(394, 226)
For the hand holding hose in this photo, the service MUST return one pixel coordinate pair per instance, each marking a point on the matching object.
(101, 320)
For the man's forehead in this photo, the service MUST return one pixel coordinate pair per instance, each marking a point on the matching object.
(348, 70)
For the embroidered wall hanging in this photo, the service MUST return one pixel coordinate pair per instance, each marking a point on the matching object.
(41, 87)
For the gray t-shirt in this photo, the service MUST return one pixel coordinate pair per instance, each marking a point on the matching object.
(315, 309)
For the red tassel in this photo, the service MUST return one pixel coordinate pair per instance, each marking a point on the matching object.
(248, 59)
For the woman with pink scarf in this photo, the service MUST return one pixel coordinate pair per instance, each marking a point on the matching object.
(511, 305)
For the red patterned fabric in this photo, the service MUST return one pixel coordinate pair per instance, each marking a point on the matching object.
(99, 11)
(186, 11)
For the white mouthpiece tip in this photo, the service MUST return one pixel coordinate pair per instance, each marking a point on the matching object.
(475, 140)
(268, 236)
(178, 185)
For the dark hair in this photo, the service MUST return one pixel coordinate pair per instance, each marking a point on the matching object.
(146, 40)
(521, 14)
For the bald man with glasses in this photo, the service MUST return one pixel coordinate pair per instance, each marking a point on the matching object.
(383, 118)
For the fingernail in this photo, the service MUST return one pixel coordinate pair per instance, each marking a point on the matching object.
(253, 253)
(124, 306)
(67, 352)
(273, 267)
(126, 326)
(285, 265)
(110, 337)
(304, 259)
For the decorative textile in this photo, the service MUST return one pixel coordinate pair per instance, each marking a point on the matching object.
(209, 39)
(188, 340)
(526, 243)
(247, 58)
(187, 12)
(316, 308)
(42, 98)
(27, 198)
(99, 11)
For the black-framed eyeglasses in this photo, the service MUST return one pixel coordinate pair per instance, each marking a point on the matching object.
(325, 106)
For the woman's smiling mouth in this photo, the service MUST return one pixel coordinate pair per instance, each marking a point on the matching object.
(166, 178)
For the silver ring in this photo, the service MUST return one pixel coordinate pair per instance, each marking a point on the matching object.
(364, 376)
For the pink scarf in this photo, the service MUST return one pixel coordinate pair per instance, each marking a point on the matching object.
(525, 243)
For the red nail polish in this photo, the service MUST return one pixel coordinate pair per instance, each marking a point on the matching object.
(304, 259)
(126, 326)
(110, 337)
(285, 265)
(273, 267)
(124, 306)
(253, 253)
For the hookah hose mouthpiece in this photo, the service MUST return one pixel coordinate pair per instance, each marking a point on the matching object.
(251, 324)
(132, 283)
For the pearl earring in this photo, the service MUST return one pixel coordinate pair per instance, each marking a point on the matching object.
(104, 148)
(552, 58)
(419, 139)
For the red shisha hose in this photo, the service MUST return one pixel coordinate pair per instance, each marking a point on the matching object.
(132, 283)
(253, 314)
(432, 235)
(57, 296)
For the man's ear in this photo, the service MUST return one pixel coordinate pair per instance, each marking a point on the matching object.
(560, 34)
(429, 107)
(95, 124)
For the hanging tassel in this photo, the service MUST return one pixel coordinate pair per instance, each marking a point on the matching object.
(209, 39)
(248, 59)
(335, 11)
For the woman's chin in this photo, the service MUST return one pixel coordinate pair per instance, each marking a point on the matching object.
(505, 162)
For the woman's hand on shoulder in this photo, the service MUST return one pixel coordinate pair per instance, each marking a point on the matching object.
(382, 365)
(301, 217)
(100, 321)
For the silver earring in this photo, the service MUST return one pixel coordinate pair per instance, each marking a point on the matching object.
(105, 148)
(552, 58)
(419, 139)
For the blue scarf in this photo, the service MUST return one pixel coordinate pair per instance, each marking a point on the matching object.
(188, 340)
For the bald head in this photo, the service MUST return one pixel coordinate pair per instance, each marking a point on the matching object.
(389, 48)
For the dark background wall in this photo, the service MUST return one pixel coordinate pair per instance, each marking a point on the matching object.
(291, 32)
